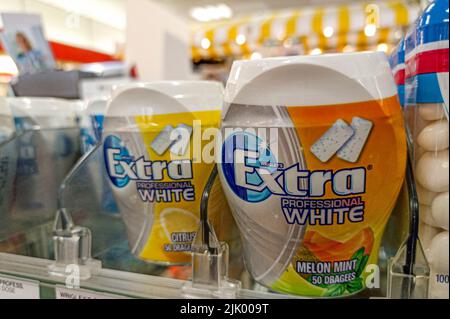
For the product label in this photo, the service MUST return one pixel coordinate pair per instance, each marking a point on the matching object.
(66, 293)
(160, 176)
(341, 189)
(27, 162)
(91, 132)
(13, 288)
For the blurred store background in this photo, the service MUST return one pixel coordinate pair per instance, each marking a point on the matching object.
(187, 39)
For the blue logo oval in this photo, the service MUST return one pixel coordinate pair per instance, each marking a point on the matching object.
(243, 154)
(114, 153)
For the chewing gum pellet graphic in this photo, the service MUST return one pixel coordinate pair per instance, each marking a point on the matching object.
(182, 135)
(352, 149)
(162, 142)
(333, 139)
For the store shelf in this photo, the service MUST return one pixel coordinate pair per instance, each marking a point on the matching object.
(29, 246)
(114, 283)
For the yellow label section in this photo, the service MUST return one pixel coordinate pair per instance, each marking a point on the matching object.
(175, 222)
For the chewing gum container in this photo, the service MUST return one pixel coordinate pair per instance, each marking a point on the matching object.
(91, 123)
(153, 150)
(312, 162)
(8, 158)
(47, 147)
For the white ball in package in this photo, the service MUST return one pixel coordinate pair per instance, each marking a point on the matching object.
(426, 234)
(426, 197)
(439, 253)
(432, 171)
(431, 112)
(440, 209)
(434, 137)
(426, 216)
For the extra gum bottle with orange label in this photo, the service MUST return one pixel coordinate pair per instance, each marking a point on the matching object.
(312, 162)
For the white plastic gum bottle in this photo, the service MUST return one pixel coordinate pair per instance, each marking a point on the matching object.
(311, 144)
(152, 146)
(48, 148)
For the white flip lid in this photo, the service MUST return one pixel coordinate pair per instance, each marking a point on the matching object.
(97, 106)
(311, 80)
(45, 112)
(165, 97)
(38, 106)
(79, 106)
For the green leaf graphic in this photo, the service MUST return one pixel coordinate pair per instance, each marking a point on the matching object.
(335, 290)
(362, 264)
(355, 285)
(358, 254)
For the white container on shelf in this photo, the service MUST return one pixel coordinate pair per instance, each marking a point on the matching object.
(157, 182)
(7, 158)
(282, 121)
(48, 147)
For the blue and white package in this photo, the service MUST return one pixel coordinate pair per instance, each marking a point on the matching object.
(426, 57)
(397, 63)
(426, 109)
(91, 124)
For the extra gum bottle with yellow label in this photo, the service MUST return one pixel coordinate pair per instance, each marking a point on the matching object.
(153, 143)
(312, 162)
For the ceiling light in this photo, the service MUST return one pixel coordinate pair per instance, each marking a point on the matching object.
(370, 30)
(210, 13)
(241, 39)
(383, 47)
(398, 34)
(288, 43)
(256, 56)
(328, 32)
(315, 51)
(205, 43)
(225, 11)
(348, 48)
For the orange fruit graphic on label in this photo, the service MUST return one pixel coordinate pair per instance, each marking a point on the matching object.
(327, 249)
